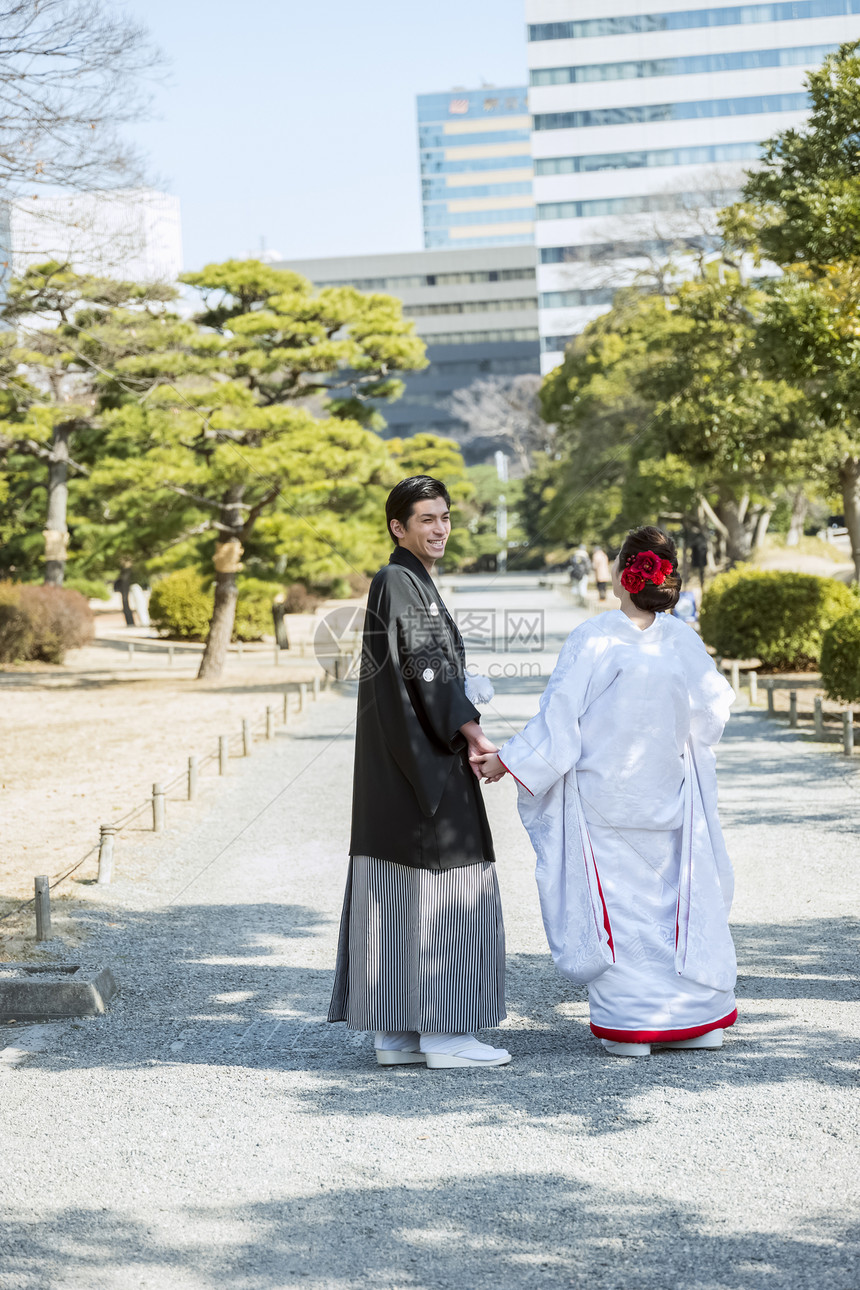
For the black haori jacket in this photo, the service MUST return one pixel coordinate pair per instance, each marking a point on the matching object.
(415, 798)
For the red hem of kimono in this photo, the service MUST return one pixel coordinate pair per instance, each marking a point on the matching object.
(655, 1036)
(519, 781)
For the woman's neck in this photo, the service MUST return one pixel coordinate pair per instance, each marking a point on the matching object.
(640, 618)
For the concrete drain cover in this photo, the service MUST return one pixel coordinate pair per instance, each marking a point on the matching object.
(41, 992)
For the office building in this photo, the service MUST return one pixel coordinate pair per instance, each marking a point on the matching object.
(476, 169)
(129, 234)
(476, 310)
(645, 113)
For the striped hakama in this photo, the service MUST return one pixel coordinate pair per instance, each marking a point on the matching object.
(420, 949)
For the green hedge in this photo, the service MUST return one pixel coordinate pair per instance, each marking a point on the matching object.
(180, 606)
(779, 618)
(840, 658)
(40, 623)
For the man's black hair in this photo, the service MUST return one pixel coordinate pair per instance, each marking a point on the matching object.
(401, 499)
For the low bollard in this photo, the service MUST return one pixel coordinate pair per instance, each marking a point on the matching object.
(753, 688)
(170, 656)
(223, 754)
(157, 808)
(43, 908)
(819, 718)
(270, 723)
(848, 733)
(770, 704)
(316, 684)
(792, 708)
(239, 651)
(130, 650)
(286, 706)
(303, 692)
(246, 738)
(193, 771)
(736, 678)
(107, 833)
(277, 656)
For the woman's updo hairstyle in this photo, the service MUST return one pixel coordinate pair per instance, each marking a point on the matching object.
(660, 599)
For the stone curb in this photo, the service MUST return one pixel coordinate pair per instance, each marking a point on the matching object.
(29, 999)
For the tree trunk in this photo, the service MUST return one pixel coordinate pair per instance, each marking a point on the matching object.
(761, 526)
(737, 534)
(56, 533)
(228, 562)
(123, 584)
(849, 476)
(799, 507)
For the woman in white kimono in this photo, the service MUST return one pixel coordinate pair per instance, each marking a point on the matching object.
(618, 792)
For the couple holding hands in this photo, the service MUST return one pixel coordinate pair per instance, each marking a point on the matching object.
(616, 788)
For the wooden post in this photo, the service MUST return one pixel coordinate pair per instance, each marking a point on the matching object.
(223, 754)
(753, 688)
(277, 655)
(193, 770)
(170, 656)
(286, 706)
(819, 718)
(736, 677)
(130, 650)
(848, 732)
(157, 808)
(270, 722)
(792, 708)
(246, 738)
(303, 690)
(239, 650)
(770, 704)
(337, 667)
(43, 908)
(107, 833)
(316, 688)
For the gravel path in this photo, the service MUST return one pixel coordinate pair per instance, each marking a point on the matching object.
(213, 1132)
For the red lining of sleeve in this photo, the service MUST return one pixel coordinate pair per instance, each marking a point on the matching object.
(519, 781)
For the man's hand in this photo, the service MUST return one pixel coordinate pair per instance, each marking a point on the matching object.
(490, 767)
(478, 743)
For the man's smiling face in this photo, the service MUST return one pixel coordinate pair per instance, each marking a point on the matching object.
(427, 530)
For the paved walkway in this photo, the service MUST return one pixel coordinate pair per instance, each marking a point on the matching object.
(212, 1131)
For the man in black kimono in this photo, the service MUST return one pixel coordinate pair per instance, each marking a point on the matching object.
(421, 952)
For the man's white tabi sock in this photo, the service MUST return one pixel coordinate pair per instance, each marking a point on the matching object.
(400, 1041)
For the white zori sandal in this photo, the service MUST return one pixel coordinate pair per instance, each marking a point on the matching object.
(397, 1049)
(446, 1051)
(711, 1039)
(617, 1049)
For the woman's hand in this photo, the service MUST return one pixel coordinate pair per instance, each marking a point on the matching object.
(488, 766)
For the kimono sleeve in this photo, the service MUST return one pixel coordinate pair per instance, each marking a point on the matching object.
(433, 681)
(550, 744)
(711, 696)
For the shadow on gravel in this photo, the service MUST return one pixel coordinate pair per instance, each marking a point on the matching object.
(208, 985)
(516, 1230)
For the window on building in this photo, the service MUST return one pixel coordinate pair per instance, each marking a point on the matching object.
(482, 337)
(753, 103)
(724, 16)
(695, 156)
(696, 64)
(469, 307)
(636, 205)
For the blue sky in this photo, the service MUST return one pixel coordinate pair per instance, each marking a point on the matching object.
(296, 121)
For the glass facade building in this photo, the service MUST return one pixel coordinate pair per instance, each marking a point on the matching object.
(476, 168)
(644, 118)
(476, 309)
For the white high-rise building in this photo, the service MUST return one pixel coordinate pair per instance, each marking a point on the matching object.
(645, 113)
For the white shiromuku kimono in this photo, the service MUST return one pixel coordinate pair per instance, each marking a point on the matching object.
(618, 793)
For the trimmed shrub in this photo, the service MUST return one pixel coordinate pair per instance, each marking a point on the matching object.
(180, 606)
(779, 618)
(299, 600)
(840, 658)
(41, 623)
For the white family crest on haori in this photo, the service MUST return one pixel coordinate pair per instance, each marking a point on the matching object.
(617, 790)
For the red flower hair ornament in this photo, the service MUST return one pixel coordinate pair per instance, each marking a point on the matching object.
(645, 567)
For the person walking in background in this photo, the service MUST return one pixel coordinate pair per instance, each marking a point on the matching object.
(580, 568)
(602, 575)
(421, 951)
(618, 791)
